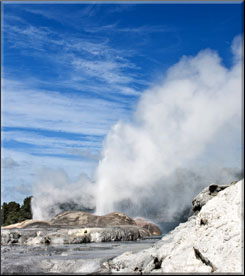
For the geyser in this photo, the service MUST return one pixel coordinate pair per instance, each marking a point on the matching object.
(184, 135)
(184, 132)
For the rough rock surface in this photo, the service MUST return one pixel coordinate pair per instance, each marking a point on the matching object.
(77, 227)
(79, 218)
(153, 228)
(210, 241)
(72, 235)
(202, 198)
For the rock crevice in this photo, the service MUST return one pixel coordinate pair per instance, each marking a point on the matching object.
(199, 256)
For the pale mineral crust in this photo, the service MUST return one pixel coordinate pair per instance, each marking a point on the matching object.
(210, 241)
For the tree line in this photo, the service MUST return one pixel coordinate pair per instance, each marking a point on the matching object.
(12, 212)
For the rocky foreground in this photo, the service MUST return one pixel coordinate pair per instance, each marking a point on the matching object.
(210, 241)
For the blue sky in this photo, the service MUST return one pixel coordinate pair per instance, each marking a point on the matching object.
(71, 71)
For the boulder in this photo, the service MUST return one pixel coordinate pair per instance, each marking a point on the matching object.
(153, 228)
(202, 198)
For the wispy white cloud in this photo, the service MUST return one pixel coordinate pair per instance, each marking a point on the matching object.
(25, 107)
(27, 36)
(79, 15)
(86, 153)
(39, 143)
(78, 58)
(141, 30)
(108, 71)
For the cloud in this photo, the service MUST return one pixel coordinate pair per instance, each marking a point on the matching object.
(81, 14)
(55, 144)
(86, 153)
(237, 48)
(79, 61)
(106, 70)
(23, 189)
(9, 163)
(28, 36)
(32, 108)
(141, 30)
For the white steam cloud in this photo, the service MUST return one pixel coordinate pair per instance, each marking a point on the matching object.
(56, 193)
(176, 125)
(185, 134)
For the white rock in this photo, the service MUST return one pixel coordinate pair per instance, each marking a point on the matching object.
(35, 241)
(208, 242)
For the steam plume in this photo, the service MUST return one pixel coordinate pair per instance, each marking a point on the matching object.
(185, 134)
(180, 126)
(55, 193)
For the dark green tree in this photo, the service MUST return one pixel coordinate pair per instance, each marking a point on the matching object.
(25, 210)
(4, 212)
(12, 212)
